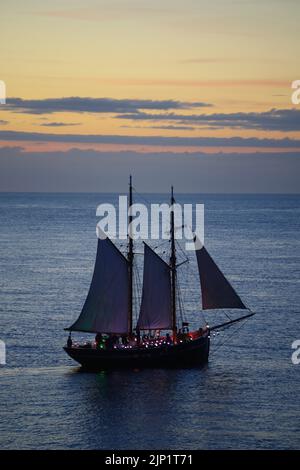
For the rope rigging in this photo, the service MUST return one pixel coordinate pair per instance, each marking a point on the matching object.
(226, 339)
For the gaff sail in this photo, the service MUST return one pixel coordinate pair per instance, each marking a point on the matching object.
(106, 307)
(156, 311)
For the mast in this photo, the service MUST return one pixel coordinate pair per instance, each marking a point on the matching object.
(173, 267)
(130, 261)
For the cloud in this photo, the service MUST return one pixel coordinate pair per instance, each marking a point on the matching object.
(60, 124)
(89, 171)
(151, 140)
(285, 120)
(78, 104)
(167, 111)
(168, 128)
(3, 123)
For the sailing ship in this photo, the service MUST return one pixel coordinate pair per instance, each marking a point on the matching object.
(108, 309)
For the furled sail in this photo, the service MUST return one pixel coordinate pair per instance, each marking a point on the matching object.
(156, 312)
(106, 306)
(217, 292)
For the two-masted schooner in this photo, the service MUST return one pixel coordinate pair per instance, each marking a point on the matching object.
(108, 309)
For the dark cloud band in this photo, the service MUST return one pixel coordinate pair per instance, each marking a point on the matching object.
(151, 140)
(95, 105)
(284, 120)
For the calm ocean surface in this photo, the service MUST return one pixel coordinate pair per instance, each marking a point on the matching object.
(247, 397)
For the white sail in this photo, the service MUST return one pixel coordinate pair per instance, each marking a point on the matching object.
(156, 312)
(106, 306)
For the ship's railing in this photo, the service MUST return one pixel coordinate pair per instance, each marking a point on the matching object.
(145, 342)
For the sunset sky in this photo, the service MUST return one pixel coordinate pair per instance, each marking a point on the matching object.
(195, 93)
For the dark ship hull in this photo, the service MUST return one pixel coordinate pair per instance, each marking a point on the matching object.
(186, 354)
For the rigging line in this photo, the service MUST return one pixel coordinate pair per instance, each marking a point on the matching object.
(192, 272)
(140, 195)
(182, 252)
(137, 288)
(183, 304)
(162, 253)
(160, 244)
(182, 263)
(221, 343)
(179, 307)
(218, 346)
(180, 248)
(180, 302)
(138, 281)
(133, 293)
(226, 314)
(143, 198)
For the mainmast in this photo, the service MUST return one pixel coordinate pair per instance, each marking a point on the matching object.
(130, 260)
(173, 267)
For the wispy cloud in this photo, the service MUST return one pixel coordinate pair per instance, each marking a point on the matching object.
(60, 124)
(168, 128)
(78, 104)
(151, 140)
(285, 120)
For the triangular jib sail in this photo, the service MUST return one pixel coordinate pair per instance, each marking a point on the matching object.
(106, 306)
(217, 292)
(156, 311)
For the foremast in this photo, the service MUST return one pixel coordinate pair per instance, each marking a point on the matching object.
(173, 267)
(130, 260)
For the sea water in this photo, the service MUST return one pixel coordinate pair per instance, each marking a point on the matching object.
(248, 395)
